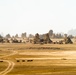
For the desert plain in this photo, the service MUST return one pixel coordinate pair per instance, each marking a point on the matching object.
(37, 59)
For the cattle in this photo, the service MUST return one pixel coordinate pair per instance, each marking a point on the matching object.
(29, 60)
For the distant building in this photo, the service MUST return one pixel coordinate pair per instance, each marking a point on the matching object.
(50, 33)
(8, 36)
(23, 35)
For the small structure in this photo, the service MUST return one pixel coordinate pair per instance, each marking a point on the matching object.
(67, 40)
(60, 42)
(1, 40)
(36, 39)
(47, 39)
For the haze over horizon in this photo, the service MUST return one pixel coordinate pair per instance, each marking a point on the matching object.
(37, 16)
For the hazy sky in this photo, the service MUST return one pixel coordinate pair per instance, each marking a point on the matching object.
(32, 16)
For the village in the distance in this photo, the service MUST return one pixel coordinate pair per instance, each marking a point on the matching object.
(48, 37)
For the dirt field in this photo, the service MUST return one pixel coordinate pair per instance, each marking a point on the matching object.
(31, 59)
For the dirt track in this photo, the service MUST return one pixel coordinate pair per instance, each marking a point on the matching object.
(9, 68)
(10, 63)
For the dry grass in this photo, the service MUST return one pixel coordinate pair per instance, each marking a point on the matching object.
(3, 66)
(48, 59)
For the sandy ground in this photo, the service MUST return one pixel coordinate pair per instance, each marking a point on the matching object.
(66, 54)
(45, 61)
